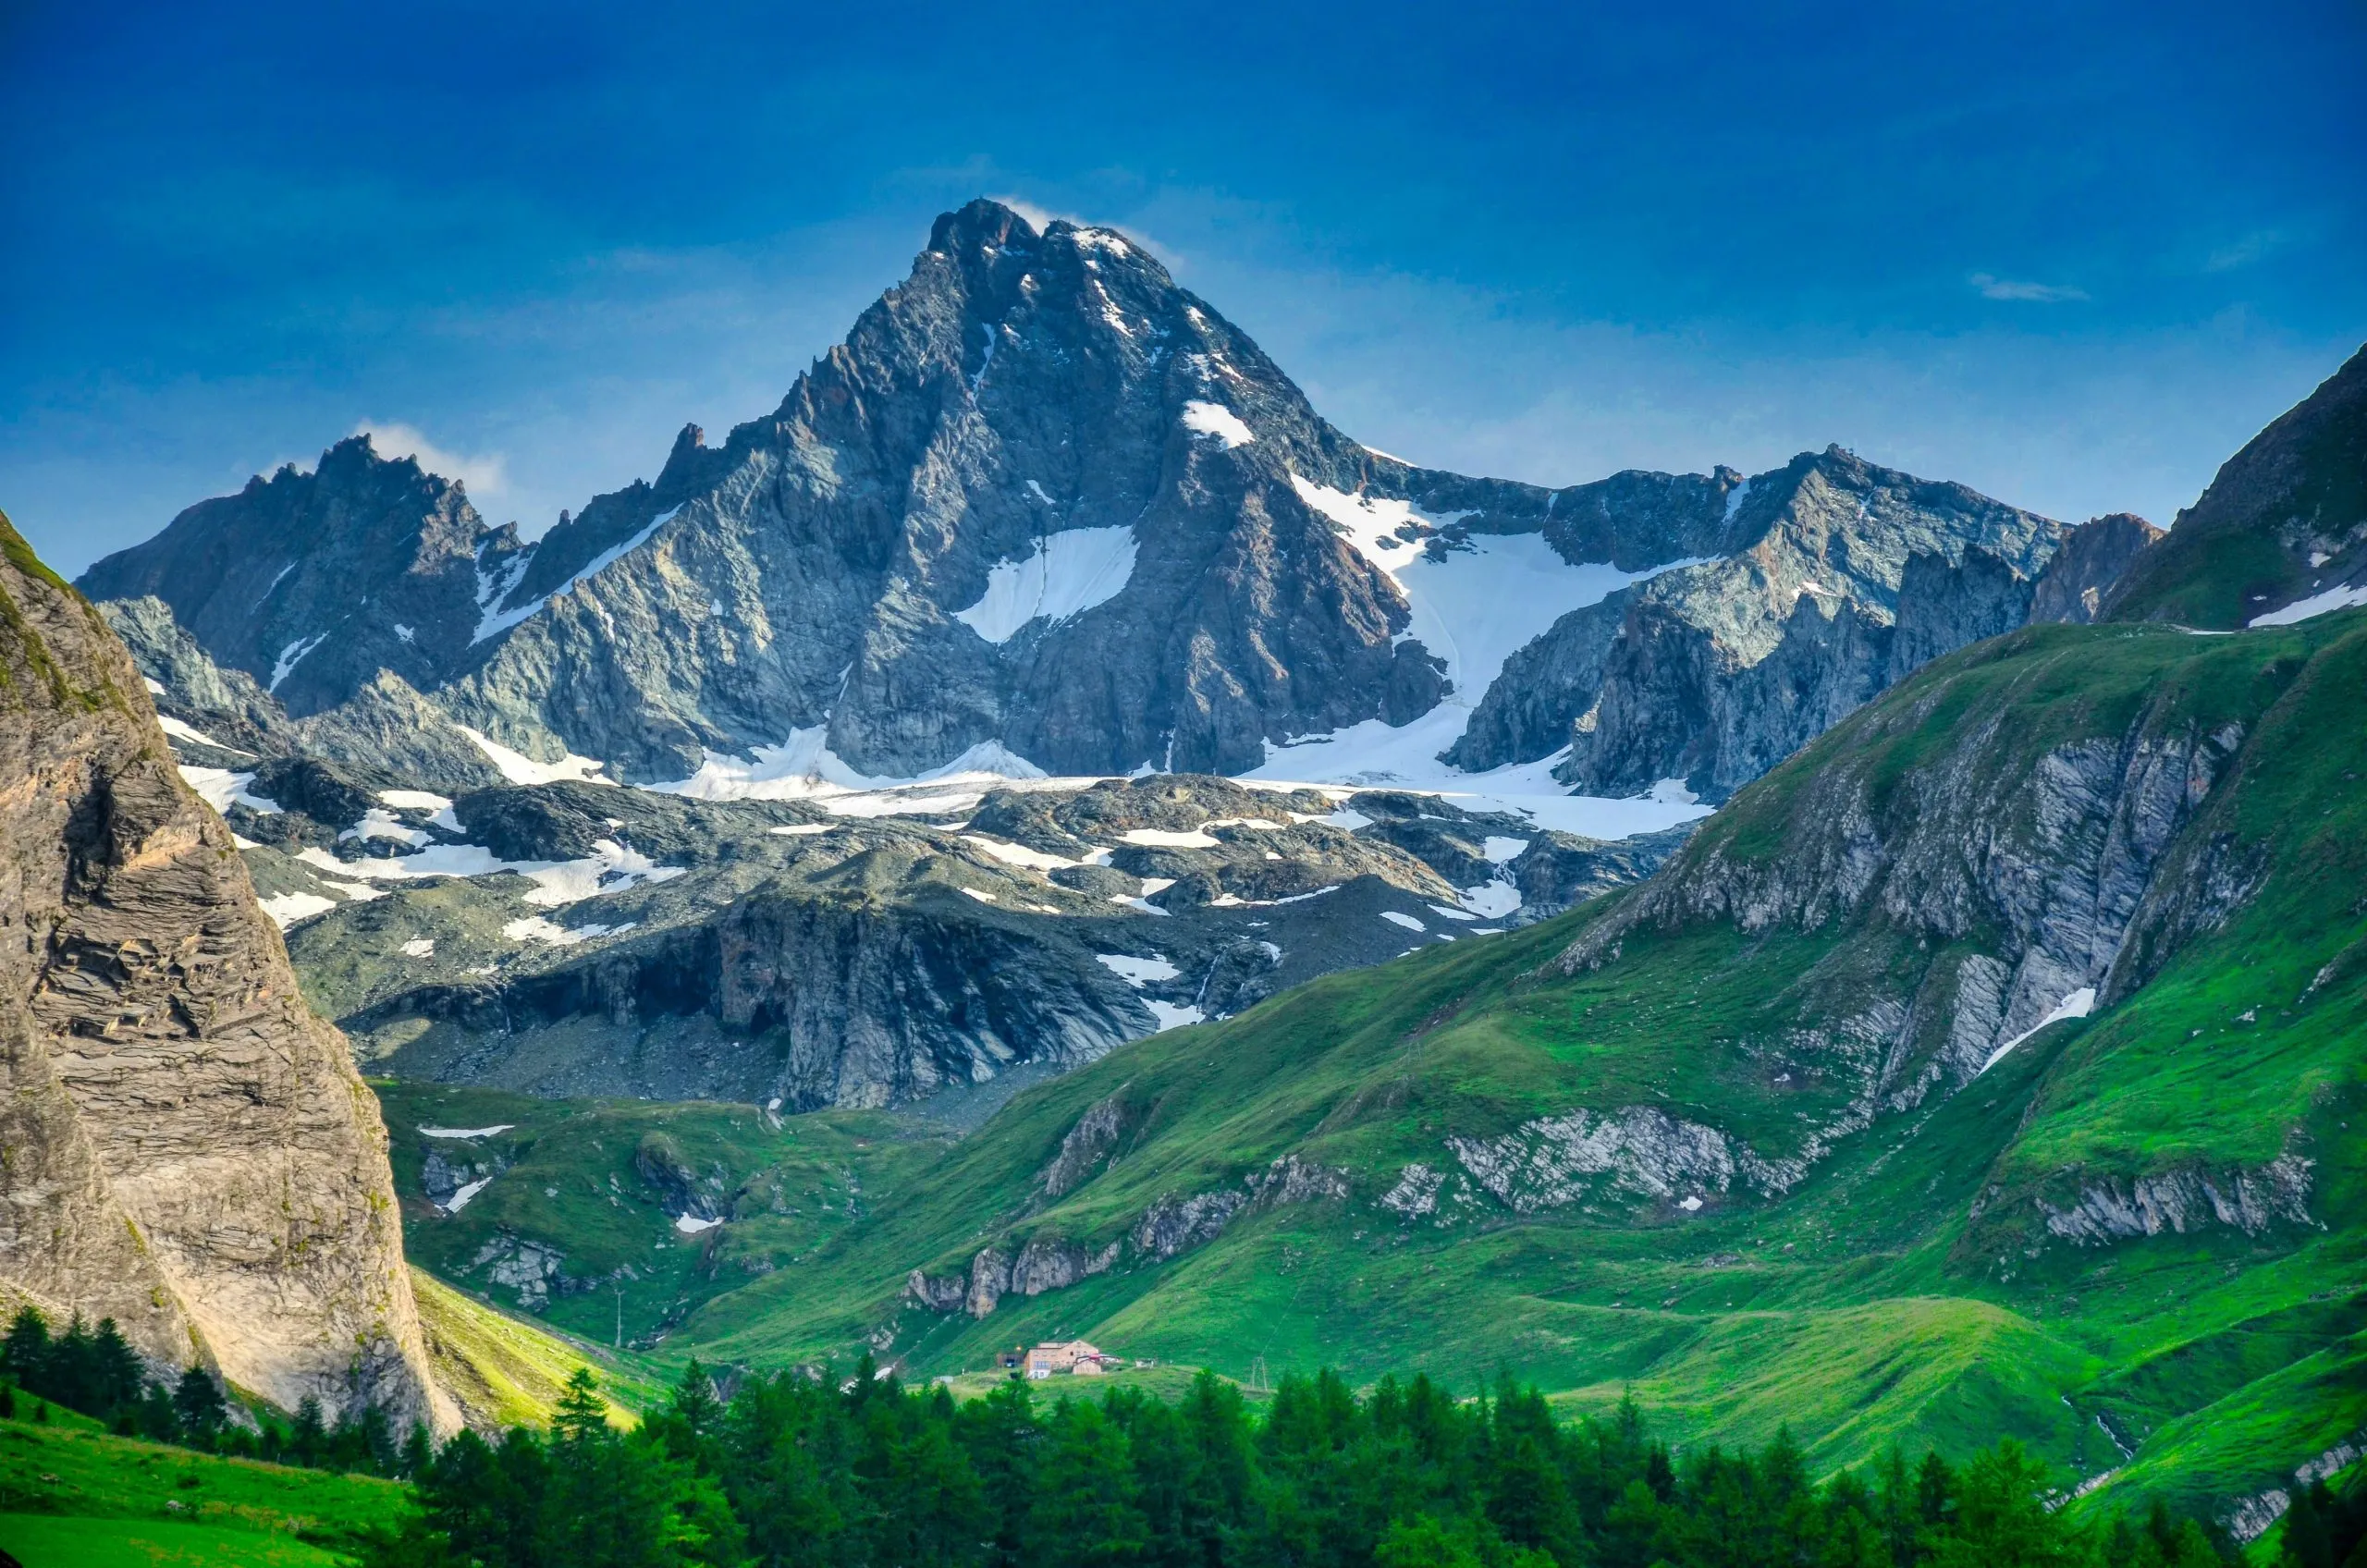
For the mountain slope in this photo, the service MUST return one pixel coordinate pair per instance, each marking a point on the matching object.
(2281, 529)
(189, 1148)
(1812, 1121)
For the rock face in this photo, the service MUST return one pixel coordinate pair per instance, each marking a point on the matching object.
(1840, 578)
(2283, 524)
(311, 584)
(190, 1151)
(2093, 560)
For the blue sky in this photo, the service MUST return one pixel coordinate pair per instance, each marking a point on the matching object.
(2072, 254)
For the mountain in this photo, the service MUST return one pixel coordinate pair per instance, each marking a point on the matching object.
(313, 582)
(1841, 579)
(190, 1149)
(1987, 1066)
(2280, 533)
(1046, 512)
(1043, 509)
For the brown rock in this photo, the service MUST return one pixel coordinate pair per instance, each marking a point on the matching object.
(187, 1148)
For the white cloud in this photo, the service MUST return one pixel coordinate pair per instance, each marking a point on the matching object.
(2041, 293)
(2245, 251)
(482, 476)
(1036, 216)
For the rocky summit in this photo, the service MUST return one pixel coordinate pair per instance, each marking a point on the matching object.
(190, 1151)
(1044, 510)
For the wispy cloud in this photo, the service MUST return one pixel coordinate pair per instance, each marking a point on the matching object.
(2245, 251)
(1993, 288)
(484, 476)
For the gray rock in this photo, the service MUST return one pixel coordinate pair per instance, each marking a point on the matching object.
(311, 584)
(2095, 556)
(1856, 575)
(2118, 1208)
(1172, 1225)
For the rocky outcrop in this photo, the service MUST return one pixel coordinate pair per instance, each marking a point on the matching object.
(190, 1149)
(1561, 1161)
(1086, 1146)
(1170, 1225)
(1049, 1264)
(2095, 556)
(2119, 1208)
(1176, 1224)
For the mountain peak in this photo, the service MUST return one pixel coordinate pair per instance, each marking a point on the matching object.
(981, 225)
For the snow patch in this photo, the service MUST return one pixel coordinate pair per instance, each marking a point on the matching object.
(1167, 838)
(535, 928)
(222, 789)
(467, 1132)
(1138, 971)
(611, 868)
(420, 947)
(690, 1225)
(1067, 575)
(460, 1195)
(1215, 419)
(292, 656)
(379, 822)
(1171, 1015)
(1735, 499)
(1492, 900)
(1018, 854)
(2333, 599)
(520, 769)
(155, 687)
(495, 621)
(1500, 849)
(1407, 921)
(192, 733)
(803, 767)
(286, 909)
(2079, 1004)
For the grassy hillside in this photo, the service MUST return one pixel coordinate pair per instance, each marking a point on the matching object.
(507, 1373)
(1785, 1206)
(71, 1497)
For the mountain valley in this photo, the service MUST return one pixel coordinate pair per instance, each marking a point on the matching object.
(1043, 837)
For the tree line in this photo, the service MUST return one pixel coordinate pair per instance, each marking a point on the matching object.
(97, 1373)
(797, 1470)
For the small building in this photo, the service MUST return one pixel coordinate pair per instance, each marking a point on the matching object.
(1075, 1357)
